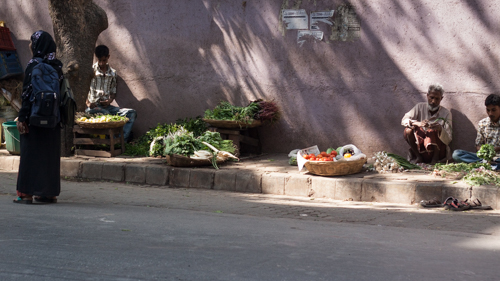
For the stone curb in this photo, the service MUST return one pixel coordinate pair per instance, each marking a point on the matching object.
(248, 181)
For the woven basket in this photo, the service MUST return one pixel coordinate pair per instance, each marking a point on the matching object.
(228, 124)
(339, 168)
(103, 125)
(177, 160)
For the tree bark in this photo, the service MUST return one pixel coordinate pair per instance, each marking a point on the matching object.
(77, 25)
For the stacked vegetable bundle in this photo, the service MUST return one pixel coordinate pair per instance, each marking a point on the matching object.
(209, 146)
(183, 137)
(187, 138)
(256, 110)
(183, 142)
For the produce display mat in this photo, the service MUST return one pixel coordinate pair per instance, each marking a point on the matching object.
(177, 160)
(97, 153)
(228, 124)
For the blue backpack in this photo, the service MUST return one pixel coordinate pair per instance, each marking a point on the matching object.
(45, 98)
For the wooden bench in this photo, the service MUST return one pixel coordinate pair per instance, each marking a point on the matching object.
(84, 136)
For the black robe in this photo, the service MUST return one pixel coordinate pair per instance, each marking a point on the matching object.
(40, 161)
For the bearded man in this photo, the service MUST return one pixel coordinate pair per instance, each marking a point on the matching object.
(428, 129)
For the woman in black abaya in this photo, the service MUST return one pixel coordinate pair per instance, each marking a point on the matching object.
(39, 167)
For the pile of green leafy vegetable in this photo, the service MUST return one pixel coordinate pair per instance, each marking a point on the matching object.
(461, 167)
(481, 176)
(186, 144)
(226, 111)
(474, 174)
(142, 145)
(256, 110)
(486, 152)
(215, 139)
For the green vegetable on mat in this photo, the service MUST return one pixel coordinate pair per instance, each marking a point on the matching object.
(215, 139)
(292, 161)
(184, 145)
(479, 177)
(402, 162)
(486, 152)
(227, 111)
(461, 167)
(257, 110)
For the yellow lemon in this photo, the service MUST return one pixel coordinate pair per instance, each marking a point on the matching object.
(347, 155)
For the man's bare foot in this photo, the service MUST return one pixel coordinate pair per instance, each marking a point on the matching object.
(435, 157)
(410, 156)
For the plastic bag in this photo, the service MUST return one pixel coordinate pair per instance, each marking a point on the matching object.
(357, 154)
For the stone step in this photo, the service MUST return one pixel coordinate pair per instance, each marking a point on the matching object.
(396, 188)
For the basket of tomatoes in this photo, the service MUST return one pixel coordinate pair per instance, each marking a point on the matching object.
(331, 164)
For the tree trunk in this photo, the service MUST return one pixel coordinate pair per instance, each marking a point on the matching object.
(77, 25)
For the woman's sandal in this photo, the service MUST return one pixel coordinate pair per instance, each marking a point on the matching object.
(433, 203)
(23, 200)
(44, 199)
(454, 205)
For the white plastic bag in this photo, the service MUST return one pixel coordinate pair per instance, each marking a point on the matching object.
(293, 153)
(357, 154)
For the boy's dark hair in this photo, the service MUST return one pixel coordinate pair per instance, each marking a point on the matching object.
(492, 100)
(101, 51)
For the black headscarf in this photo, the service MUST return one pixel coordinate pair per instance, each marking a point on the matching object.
(44, 47)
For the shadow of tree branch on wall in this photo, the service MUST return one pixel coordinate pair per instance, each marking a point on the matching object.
(185, 57)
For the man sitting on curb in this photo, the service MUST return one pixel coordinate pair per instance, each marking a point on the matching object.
(488, 132)
(428, 129)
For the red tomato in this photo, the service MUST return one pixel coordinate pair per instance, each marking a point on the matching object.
(333, 153)
(307, 157)
(323, 153)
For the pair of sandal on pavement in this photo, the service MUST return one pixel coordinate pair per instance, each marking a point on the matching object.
(454, 204)
(39, 199)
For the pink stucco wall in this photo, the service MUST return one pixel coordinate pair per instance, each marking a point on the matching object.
(177, 58)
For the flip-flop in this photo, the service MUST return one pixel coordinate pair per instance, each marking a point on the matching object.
(477, 205)
(44, 199)
(453, 204)
(433, 203)
(21, 200)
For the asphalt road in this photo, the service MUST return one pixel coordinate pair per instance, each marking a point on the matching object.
(113, 231)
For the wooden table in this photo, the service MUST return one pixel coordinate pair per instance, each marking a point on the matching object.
(241, 136)
(83, 136)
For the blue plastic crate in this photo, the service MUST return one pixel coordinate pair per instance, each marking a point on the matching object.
(9, 64)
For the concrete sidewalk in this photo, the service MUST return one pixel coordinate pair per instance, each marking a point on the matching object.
(270, 174)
